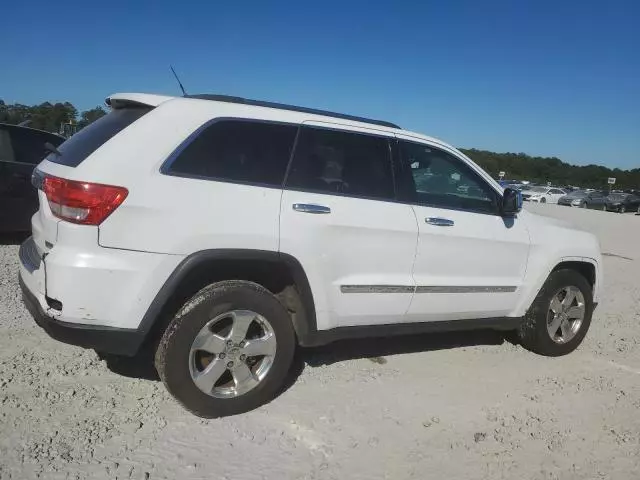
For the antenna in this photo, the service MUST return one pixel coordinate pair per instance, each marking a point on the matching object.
(178, 80)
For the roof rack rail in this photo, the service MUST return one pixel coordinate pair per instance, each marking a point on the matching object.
(293, 108)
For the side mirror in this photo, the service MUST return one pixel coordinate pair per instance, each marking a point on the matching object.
(511, 202)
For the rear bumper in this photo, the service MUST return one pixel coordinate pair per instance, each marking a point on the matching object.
(119, 341)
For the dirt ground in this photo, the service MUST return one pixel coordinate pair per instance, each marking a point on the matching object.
(461, 406)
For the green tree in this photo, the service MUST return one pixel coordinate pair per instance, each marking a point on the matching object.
(90, 116)
(520, 166)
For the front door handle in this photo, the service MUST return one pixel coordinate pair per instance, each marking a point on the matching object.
(439, 222)
(311, 208)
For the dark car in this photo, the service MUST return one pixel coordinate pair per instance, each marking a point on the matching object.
(21, 149)
(583, 199)
(622, 202)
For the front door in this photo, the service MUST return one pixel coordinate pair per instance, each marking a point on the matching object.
(470, 261)
(338, 218)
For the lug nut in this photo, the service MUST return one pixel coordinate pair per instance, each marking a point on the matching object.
(229, 343)
(243, 358)
(221, 355)
(242, 344)
(230, 364)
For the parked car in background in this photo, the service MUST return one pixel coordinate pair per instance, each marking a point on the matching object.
(584, 199)
(21, 149)
(622, 202)
(542, 194)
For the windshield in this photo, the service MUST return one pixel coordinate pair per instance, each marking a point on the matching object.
(537, 189)
(90, 138)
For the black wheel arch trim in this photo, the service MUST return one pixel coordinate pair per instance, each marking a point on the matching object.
(305, 325)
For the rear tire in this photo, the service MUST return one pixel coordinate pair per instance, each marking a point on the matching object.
(200, 344)
(534, 333)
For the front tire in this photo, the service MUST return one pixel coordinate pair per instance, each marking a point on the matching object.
(543, 200)
(228, 350)
(559, 317)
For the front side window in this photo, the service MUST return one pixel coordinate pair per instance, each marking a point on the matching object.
(439, 179)
(340, 162)
(238, 151)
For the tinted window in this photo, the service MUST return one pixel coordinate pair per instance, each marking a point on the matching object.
(555, 191)
(439, 179)
(238, 150)
(24, 145)
(92, 137)
(28, 144)
(6, 149)
(347, 163)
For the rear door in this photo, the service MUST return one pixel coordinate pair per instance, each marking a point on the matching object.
(596, 200)
(21, 149)
(470, 261)
(339, 218)
(555, 194)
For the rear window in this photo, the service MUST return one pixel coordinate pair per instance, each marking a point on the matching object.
(90, 138)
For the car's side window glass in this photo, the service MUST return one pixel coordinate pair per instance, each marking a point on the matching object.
(6, 148)
(340, 162)
(28, 144)
(238, 151)
(442, 180)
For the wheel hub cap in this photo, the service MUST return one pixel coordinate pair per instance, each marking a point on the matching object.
(232, 353)
(566, 314)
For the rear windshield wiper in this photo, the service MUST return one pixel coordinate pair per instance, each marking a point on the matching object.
(49, 147)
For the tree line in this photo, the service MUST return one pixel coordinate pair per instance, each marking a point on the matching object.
(517, 166)
(520, 166)
(48, 116)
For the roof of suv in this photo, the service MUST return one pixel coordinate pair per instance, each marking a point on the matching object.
(155, 100)
(120, 100)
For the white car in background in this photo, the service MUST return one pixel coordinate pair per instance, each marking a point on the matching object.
(543, 194)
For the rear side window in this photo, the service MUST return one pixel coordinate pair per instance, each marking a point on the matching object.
(92, 137)
(346, 163)
(24, 145)
(237, 151)
(28, 144)
(6, 149)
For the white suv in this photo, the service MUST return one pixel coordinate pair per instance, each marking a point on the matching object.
(222, 232)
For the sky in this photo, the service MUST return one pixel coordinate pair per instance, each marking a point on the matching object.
(549, 78)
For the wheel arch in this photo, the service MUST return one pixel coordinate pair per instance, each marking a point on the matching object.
(587, 267)
(276, 271)
(584, 267)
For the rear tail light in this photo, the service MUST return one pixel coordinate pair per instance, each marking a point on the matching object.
(82, 202)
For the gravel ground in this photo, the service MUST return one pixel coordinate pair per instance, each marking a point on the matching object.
(468, 406)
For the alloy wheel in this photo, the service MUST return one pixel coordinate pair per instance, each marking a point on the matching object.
(566, 314)
(232, 354)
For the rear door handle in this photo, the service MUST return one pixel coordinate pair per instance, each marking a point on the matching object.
(311, 208)
(439, 222)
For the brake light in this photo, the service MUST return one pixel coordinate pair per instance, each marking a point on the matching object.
(82, 202)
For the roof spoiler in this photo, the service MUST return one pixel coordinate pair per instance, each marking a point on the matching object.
(123, 100)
